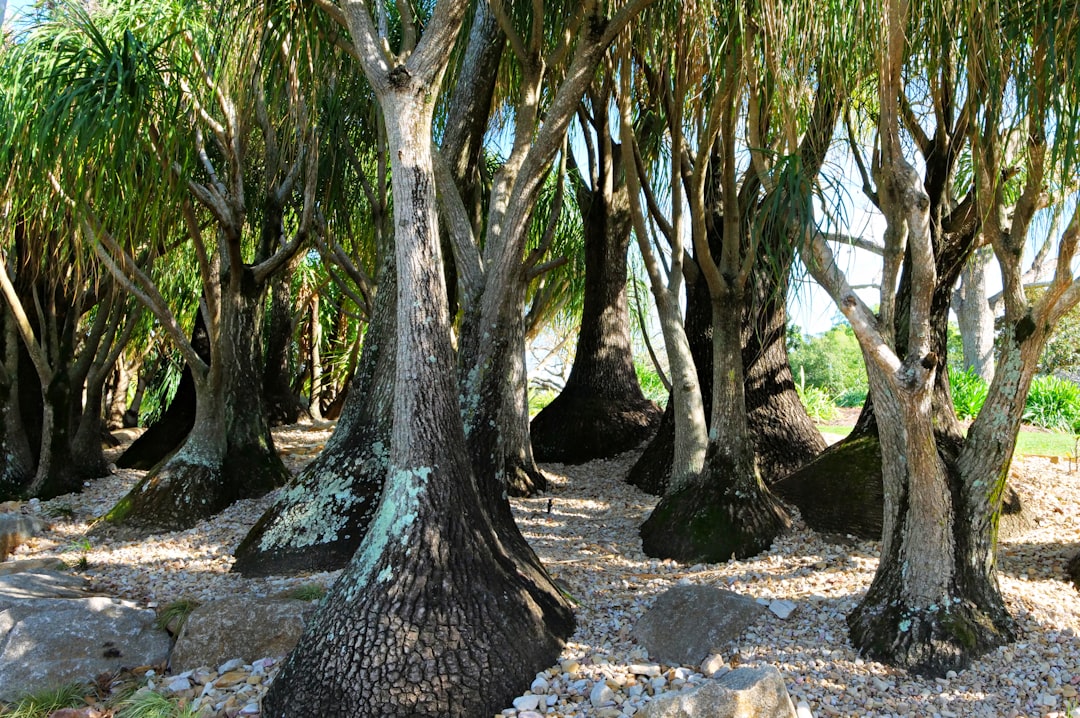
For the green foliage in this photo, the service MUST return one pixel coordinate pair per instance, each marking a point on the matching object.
(145, 703)
(819, 405)
(1062, 351)
(853, 397)
(308, 592)
(1053, 403)
(831, 362)
(651, 385)
(43, 703)
(539, 398)
(968, 392)
(175, 613)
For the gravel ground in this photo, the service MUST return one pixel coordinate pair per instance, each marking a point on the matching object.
(589, 543)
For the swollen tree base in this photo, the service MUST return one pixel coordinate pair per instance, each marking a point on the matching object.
(322, 516)
(184, 491)
(524, 481)
(713, 521)
(575, 428)
(841, 491)
(929, 641)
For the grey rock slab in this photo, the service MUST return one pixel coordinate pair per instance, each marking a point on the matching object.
(53, 641)
(30, 585)
(741, 693)
(242, 628)
(31, 564)
(686, 624)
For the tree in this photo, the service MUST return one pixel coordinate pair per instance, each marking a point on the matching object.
(935, 603)
(443, 619)
(601, 411)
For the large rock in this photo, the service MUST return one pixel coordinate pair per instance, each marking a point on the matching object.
(688, 623)
(741, 693)
(15, 529)
(45, 642)
(243, 628)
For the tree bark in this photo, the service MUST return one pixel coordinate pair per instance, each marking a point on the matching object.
(165, 435)
(974, 316)
(229, 453)
(439, 617)
(16, 458)
(282, 404)
(601, 411)
(726, 511)
(323, 515)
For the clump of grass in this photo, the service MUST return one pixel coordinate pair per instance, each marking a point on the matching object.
(968, 393)
(144, 703)
(1053, 403)
(307, 592)
(84, 547)
(173, 616)
(42, 703)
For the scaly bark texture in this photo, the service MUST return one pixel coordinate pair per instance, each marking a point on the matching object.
(433, 612)
(320, 519)
(229, 453)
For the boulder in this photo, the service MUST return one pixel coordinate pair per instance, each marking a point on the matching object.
(243, 628)
(741, 693)
(45, 642)
(686, 624)
(15, 529)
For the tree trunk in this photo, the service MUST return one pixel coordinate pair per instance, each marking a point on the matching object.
(784, 436)
(166, 434)
(601, 411)
(315, 360)
(523, 477)
(16, 458)
(323, 515)
(726, 511)
(283, 406)
(116, 395)
(438, 617)
(131, 414)
(974, 316)
(229, 453)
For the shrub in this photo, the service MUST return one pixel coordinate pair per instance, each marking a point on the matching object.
(173, 615)
(651, 385)
(831, 361)
(308, 592)
(819, 405)
(968, 393)
(1053, 403)
(852, 397)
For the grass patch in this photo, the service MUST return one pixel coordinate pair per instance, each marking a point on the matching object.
(147, 704)
(307, 592)
(176, 613)
(42, 703)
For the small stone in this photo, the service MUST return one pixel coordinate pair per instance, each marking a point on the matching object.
(641, 669)
(230, 665)
(803, 710)
(250, 709)
(1068, 691)
(179, 684)
(529, 714)
(601, 694)
(540, 685)
(712, 664)
(570, 666)
(231, 679)
(527, 703)
(782, 609)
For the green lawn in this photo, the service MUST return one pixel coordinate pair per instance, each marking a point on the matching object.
(1030, 443)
